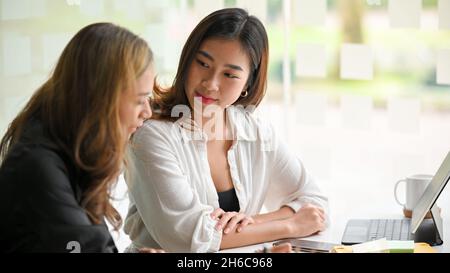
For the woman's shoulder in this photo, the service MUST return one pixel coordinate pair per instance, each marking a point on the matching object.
(32, 156)
(154, 130)
(35, 168)
(35, 148)
(155, 127)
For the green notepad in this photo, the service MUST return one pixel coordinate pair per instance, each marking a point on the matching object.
(401, 246)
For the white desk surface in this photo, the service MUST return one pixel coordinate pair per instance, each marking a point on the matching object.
(335, 231)
(373, 198)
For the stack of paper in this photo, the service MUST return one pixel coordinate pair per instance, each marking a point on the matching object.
(377, 246)
(385, 246)
(401, 246)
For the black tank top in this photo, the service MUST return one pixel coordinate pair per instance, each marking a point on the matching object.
(228, 200)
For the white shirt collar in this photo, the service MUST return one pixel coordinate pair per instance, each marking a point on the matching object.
(236, 116)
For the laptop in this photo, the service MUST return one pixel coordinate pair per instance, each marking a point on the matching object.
(417, 228)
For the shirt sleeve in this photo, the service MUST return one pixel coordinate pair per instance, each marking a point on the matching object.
(167, 203)
(290, 183)
(45, 215)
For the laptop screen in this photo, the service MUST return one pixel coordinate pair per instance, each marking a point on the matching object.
(431, 193)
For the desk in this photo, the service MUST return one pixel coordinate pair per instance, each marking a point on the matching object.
(365, 197)
(334, 232)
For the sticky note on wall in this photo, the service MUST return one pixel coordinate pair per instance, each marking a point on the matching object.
(311, 108)
(310, 12)
(404, 115)
(11, 107)
(38, 8)
(444, 14)
(405, 13)
(311, 60)
(156, 39)
(22, 9)
(258, 9)
(356, 62)
(53, 45)
(443, 67)
(166, 49)
(15, 9)
(356, 112)
(205, 7)
(120, 5)
(16, 54)
(134, 9)
(92, 8)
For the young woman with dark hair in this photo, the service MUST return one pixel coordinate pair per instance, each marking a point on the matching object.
(198, 182)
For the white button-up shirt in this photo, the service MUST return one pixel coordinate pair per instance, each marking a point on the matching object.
(172, 193)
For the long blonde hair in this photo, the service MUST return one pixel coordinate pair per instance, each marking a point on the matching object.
(79, 109)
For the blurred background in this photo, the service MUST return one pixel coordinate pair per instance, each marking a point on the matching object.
(359, 89)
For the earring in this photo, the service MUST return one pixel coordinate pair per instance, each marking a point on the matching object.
(244, 94)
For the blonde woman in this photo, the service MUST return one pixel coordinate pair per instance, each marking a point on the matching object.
(64, 151)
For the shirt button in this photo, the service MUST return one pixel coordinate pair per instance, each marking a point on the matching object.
(238, 187)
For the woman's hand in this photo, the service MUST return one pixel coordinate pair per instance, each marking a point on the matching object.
(227, 221)
(283, 248)
(308, 220)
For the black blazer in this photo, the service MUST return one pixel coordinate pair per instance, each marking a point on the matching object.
(40, 201)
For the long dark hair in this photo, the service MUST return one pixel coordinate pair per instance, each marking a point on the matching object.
(231, 24)
(79, 109)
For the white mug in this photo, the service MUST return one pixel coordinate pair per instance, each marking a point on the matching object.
(415, 186)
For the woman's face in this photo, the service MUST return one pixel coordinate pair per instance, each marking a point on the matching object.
(218, 74)
(135, 105)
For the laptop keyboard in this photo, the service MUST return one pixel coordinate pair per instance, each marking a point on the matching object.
(391, 229)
